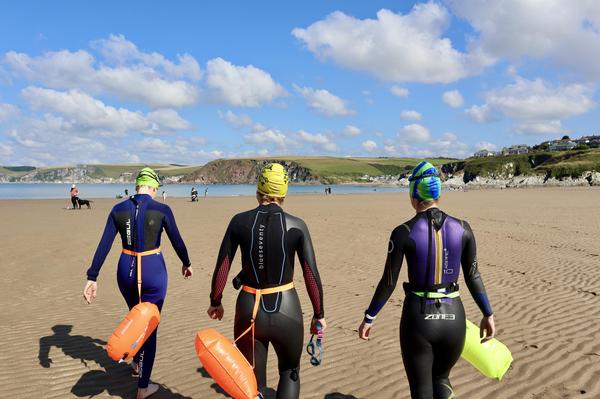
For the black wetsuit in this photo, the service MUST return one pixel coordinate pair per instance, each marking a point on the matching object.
(269, 238)
(432, 331)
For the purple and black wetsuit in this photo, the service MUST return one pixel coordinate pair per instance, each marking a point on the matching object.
(269, 239)
(432, 331)
(140, 221)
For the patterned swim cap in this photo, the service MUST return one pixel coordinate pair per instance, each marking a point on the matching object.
(273, 181)
(425, 183)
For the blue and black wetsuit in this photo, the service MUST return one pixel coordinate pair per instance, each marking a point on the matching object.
(269, 238)
(432, 331)
(140, 221)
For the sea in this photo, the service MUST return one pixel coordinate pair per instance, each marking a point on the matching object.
(60, 190)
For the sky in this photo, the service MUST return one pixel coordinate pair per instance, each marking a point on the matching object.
(187, 82)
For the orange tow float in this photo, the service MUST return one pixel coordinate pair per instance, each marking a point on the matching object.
(138, 325)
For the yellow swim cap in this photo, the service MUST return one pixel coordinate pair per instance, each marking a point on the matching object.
(273, 181)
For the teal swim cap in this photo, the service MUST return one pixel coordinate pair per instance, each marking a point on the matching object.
(425, 183)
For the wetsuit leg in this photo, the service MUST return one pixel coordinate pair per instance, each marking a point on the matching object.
(286, 333)
(431, 341)
(284, 329)
(154, 290)
(243, 314)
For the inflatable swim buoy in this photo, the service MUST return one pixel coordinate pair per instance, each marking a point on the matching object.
(130, 335)
(491, 358)
(226, 364)
(140, 322)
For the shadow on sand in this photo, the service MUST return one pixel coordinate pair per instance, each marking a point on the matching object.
(269, 394)
(337, 395)
(116, 379)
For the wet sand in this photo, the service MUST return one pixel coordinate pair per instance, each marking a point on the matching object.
(538, 251)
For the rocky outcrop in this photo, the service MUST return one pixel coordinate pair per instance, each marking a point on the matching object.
(245, 171)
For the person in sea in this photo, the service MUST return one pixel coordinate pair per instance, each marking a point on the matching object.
(75, 197)
(140, 221)
(269, 239)
(433, 325)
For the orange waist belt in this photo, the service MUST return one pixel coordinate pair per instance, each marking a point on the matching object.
(139, 256)
(258, 294)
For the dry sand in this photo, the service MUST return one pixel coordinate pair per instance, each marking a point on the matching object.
(539, 256)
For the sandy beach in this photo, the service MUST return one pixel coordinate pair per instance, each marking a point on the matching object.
(538, 251)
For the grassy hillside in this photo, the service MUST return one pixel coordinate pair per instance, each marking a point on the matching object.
(334, 169)
(558, 164)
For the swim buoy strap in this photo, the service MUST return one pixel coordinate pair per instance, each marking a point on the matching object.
(139, 255)
(258, 293)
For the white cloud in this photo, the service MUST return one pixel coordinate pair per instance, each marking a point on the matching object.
(319, 140)
(414, 133)
(540, 127)
(411, 114)
(485, 145)
(7, 111)
(393, 47)
(536, 105)
(369, 145)
(84, 113)
(399, 91)
(480, 113)
(120, 51)
(236, 120)
(453, 98)
(565, 32)
(78, 70)
(324, 102)
(240, 86)
(351, 131)
(267, 136)
(5, 152)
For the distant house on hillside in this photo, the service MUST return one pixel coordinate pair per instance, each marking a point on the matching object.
(562, 145)
(484, 153)
(515, 149)
(590, 141)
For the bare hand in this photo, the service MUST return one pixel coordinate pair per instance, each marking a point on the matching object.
(364, 330)
(487, 328)
(90, 290)
(313, 325)
(187, 272)
(216, 312)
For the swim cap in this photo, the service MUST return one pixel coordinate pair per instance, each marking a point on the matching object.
(425, 183)
(72, 185)
(147, 177)
(273, 181)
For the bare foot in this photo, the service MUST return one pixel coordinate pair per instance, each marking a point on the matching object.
(144, 393)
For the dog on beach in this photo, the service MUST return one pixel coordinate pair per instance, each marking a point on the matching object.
(85, 202)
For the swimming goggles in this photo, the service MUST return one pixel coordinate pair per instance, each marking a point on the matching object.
(315, 347)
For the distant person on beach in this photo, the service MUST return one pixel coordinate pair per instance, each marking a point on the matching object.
(126, 192)
(75, 197)
(140, 221)
(164, 196)
(269, 239)
(194, 194)
(205, 192)
(433, 325)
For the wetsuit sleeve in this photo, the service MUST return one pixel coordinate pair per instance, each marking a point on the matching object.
(110, 231)
(226, 253)
(471, 271)
(175, 238)
(306, 254)
(388, 281)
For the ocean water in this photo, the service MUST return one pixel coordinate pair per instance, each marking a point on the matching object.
(59, 190)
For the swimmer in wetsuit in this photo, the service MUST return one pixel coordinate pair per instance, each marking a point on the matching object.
(432, 327)
(140, 221)
(269, 238)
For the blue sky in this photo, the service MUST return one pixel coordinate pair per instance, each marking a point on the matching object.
(188, 82)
